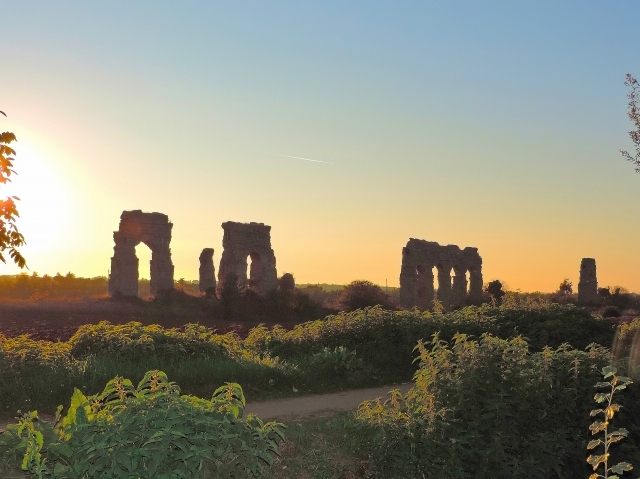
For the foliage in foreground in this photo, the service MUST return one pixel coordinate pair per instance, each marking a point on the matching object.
(384, 339)
(609, 436)
(358, 349)
(490, 408)
(10, 238)
(146, 432)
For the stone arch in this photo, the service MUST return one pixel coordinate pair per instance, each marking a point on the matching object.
(416, 276)
(248, 240)
(152, 229)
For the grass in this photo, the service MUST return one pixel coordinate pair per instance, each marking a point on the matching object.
(325, 447)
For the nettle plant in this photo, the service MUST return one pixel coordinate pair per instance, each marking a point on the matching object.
(148, 431)
(610, 436)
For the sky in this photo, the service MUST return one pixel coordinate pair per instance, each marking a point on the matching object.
(492, 124)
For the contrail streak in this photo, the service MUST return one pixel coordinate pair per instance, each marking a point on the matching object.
(306, 159)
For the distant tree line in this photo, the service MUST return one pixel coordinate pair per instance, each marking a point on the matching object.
(35, 287)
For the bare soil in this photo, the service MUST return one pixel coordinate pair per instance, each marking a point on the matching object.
(59, 320)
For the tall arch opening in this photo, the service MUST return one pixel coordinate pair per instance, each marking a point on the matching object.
(434, 272)
(248, 271)
(143, 253)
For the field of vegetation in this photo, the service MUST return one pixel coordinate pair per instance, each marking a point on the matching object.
(506, 388)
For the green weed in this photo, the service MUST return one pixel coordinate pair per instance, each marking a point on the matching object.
(148, 431)
(610, 436)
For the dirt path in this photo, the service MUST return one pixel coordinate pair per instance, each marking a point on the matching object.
(309, 406)
(306, 406)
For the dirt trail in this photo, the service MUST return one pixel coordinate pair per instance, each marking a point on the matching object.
(306, 406)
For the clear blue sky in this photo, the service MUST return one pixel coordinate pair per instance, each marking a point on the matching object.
(489, 124)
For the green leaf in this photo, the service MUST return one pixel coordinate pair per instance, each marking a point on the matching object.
(594, 443)
(601, 397)
(608, 371)
(622, 467)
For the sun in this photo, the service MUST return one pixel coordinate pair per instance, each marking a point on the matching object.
(45, 205)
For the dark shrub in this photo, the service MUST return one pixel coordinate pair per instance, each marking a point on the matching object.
(361, 294)
(287, 283)
(494, 288)
(610, 312)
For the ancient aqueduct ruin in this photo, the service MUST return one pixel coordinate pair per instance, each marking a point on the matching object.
(419, 258)
(240, 241)
(152, 229)
(253, 240)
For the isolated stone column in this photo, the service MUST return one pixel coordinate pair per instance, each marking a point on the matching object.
(207, 270)
(459, 289)
(588, 285)
(444, 286)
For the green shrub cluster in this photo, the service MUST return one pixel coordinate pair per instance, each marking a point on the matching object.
(26, 368)
(385, 339)
(151, 431)
(42, 374)
(363, 348)
(491, 408)
(134, 341)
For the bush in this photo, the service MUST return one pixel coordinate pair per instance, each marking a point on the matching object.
(287, 283)
(494, 288)
(134, 341)
(146, 432)
(610, 312)
(361, 294)
(490, 408)
(384, 339)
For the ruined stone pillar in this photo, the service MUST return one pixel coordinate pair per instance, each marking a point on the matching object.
(426, 291)
(459, 289)
(408, 282)
(475, 284)
(123, 278)
(161, 270)
(207, 270)
(588, 285)
(444, 286)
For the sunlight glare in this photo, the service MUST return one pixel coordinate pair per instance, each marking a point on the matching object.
(45, 206)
